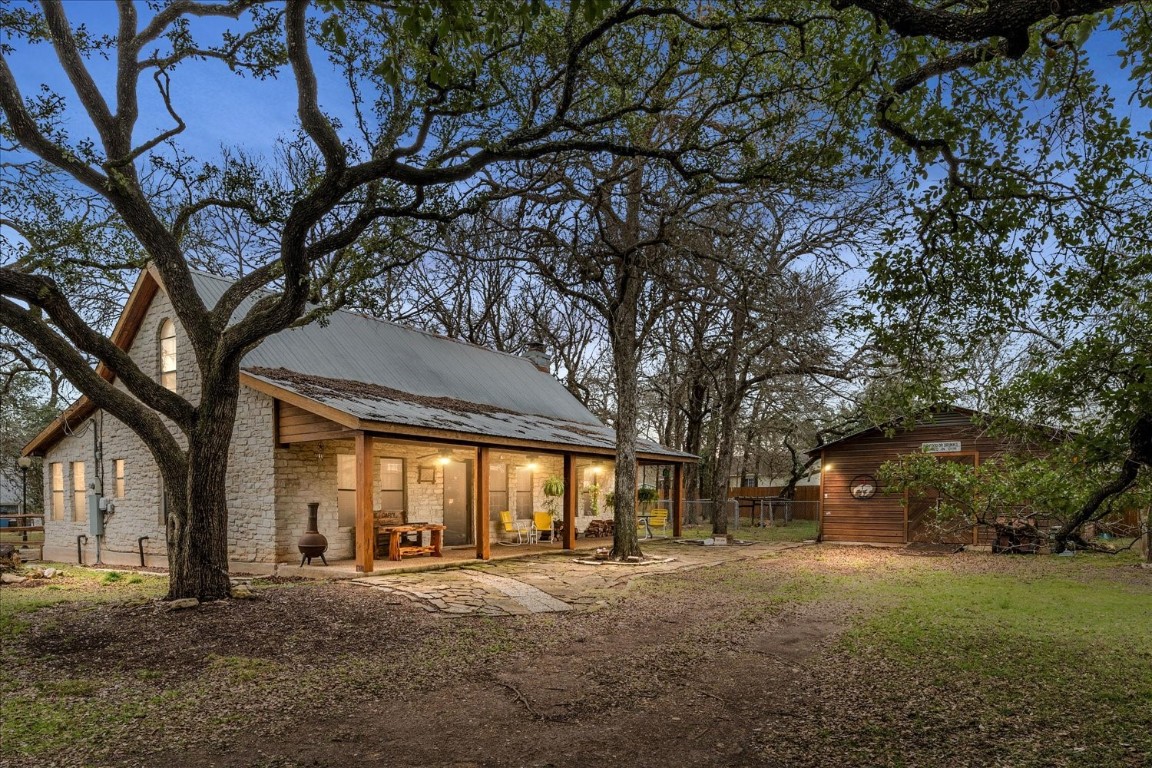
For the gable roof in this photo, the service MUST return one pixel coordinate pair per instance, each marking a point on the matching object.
(908, 423)
(383, 374)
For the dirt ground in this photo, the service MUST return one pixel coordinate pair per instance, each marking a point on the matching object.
(740, 664)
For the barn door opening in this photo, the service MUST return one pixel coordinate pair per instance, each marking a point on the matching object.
(921, 523)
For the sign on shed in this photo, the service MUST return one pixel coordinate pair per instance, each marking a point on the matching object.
(944, 446)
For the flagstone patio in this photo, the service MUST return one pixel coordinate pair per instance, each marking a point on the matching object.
(547, 584)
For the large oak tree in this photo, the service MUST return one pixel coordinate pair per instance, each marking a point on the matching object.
(436, 97)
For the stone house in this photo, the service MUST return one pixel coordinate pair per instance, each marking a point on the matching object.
(441, 431)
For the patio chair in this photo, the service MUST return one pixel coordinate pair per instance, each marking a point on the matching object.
(541, 524)
(658, 518)
(521, 528)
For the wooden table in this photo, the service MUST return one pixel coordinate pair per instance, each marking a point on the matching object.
(394, 532)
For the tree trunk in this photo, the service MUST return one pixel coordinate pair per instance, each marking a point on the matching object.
(1139, 454)
(1148, 536)
(729, 393)
(694, 437)
(722, 469)
(625, 542)
(198, 504)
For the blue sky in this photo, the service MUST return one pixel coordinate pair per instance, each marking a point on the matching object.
(223, 108)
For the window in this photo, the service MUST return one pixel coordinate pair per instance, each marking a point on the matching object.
(118, 469)
(168, 355)
(346, 490)
(497, 488)
(392, 486)
(79, 491)
(524, 501)
(57, 474)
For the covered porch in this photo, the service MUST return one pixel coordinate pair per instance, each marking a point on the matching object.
(369, 481)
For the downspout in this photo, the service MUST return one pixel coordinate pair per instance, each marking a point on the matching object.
(79, 551)
(140, 543)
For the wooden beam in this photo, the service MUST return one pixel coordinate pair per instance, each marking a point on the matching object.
(570, 501)
(298, 400)
(820, 505)
(483, 503)
(365, 525)
(677, 500)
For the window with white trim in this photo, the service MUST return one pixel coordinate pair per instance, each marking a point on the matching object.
(79, 493)
(168, 355)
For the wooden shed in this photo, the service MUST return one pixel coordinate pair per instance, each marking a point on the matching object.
(853, 505)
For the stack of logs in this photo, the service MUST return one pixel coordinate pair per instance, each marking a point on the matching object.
(599, 529)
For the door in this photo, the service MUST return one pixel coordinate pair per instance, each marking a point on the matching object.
(922, 524)
(458, 502)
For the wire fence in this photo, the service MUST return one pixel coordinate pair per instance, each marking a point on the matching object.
(749, 513)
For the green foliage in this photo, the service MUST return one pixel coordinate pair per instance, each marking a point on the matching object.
(1008, 488)
(646, 494)
(554, 486)
(1019, 275)
(553, 490)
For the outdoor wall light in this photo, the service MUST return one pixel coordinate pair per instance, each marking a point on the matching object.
(445, 456)
(597, 469)
(531, 461)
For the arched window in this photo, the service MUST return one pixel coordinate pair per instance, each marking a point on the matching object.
(168, 355)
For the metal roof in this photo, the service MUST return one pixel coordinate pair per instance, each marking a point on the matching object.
(381, 404)
(381, 371)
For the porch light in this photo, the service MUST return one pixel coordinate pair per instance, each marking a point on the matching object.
(597, 469)
(445, 456)
(531, 461)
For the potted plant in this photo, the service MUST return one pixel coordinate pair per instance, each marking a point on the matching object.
(647, 496)
(553, 490)
(593, 492)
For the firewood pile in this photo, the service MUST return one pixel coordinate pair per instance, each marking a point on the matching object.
(1017, 537)
(9, 557)
(599, 529)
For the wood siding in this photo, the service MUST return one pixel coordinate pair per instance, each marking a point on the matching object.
(296, 425)
(881, 519)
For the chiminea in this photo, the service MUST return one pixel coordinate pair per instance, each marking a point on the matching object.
(312, 543)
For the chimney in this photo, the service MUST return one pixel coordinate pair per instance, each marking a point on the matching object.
(537, 353)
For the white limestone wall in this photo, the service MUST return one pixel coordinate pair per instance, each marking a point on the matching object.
(251, 528)
(251, 514)
(306, 472)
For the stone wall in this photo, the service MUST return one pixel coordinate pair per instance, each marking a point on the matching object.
(307, 472)
(251, 525)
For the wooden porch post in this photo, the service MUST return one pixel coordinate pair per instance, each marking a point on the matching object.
(483, 502)
(677, 499)
(570, 501)
(365, 524)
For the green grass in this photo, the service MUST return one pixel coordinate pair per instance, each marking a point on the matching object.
(797, 530)
(73, 585)
(1044, 650)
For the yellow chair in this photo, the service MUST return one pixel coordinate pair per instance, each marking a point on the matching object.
(657, 518)
(541, 524)
(509, 525)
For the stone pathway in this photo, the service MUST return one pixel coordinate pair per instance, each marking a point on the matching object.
(546, 584)
(535, 600)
